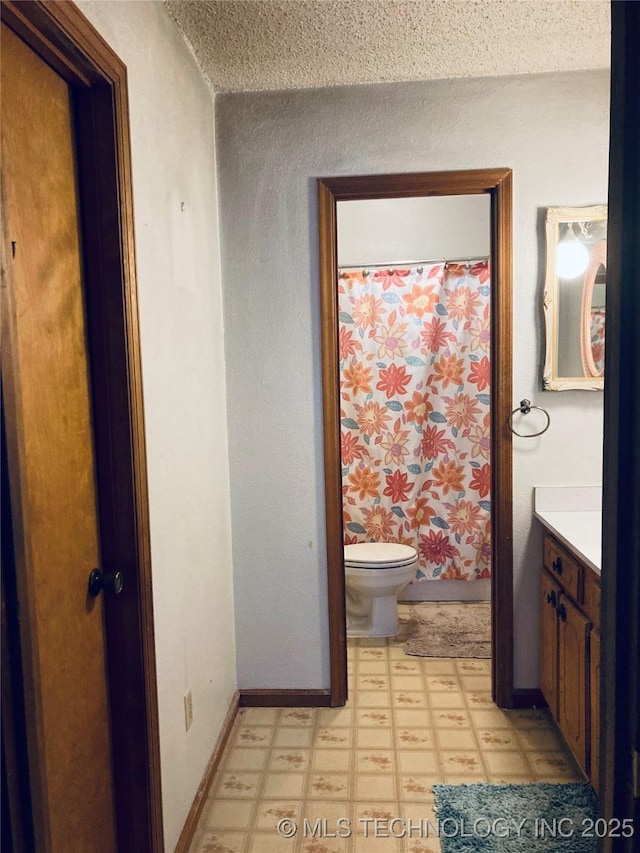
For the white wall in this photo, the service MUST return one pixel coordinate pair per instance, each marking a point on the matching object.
(177, 253)
(552, 130)
(375, 231)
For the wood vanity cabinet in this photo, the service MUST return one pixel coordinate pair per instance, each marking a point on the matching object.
(594, 671)
(570, 650)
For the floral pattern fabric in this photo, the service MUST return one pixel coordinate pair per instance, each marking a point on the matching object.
(415, 376)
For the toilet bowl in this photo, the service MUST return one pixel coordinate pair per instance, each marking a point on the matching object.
(375, 572)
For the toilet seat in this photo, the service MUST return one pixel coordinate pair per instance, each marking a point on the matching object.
(379, 555)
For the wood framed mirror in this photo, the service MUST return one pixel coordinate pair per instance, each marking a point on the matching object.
(575, 298)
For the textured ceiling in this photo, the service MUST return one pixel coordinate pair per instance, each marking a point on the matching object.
(244, 45)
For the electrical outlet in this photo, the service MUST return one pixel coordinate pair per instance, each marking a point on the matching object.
(188, 711)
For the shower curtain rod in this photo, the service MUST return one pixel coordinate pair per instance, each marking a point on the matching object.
(414, 263)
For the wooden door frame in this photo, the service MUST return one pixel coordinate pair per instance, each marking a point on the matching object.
(619, 781)
(498, 184)
(60, 35)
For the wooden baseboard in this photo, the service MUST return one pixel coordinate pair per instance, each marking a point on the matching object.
(285, 698)
(528, 697)
(191, 823)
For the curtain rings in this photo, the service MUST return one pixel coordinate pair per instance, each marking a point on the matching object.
(524, 408)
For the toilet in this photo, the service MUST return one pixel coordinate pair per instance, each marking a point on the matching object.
(375, 572)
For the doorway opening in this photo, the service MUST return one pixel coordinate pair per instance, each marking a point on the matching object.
(496, 183)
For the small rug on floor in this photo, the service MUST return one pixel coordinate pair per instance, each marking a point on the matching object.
(453, 629)
(516, 818)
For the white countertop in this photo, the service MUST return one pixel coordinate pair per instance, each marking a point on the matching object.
(574, 516)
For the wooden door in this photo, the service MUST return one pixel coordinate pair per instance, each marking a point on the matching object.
(573, 708)
(51, 463)
(549, 599)
(620, 688)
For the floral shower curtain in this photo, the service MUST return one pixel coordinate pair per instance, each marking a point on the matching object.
(415, 413)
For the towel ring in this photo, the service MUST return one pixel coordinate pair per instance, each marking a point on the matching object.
(524, 408)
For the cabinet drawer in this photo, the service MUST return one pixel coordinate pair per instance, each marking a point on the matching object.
(562, 567)
(591, 602)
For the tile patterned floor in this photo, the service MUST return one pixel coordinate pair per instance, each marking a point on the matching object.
(409, 723)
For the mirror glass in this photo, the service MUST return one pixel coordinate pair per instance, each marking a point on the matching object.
(574, 297)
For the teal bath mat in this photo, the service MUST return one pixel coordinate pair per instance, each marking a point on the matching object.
(517, 818)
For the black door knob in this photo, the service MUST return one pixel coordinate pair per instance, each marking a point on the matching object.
(109, 582)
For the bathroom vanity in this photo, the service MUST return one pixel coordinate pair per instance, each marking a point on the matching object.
(570, 617)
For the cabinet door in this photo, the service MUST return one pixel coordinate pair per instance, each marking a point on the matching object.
(549, 599)
(573, 709)
(594, 667)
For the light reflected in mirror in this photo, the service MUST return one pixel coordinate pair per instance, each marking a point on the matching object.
(575, 297)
